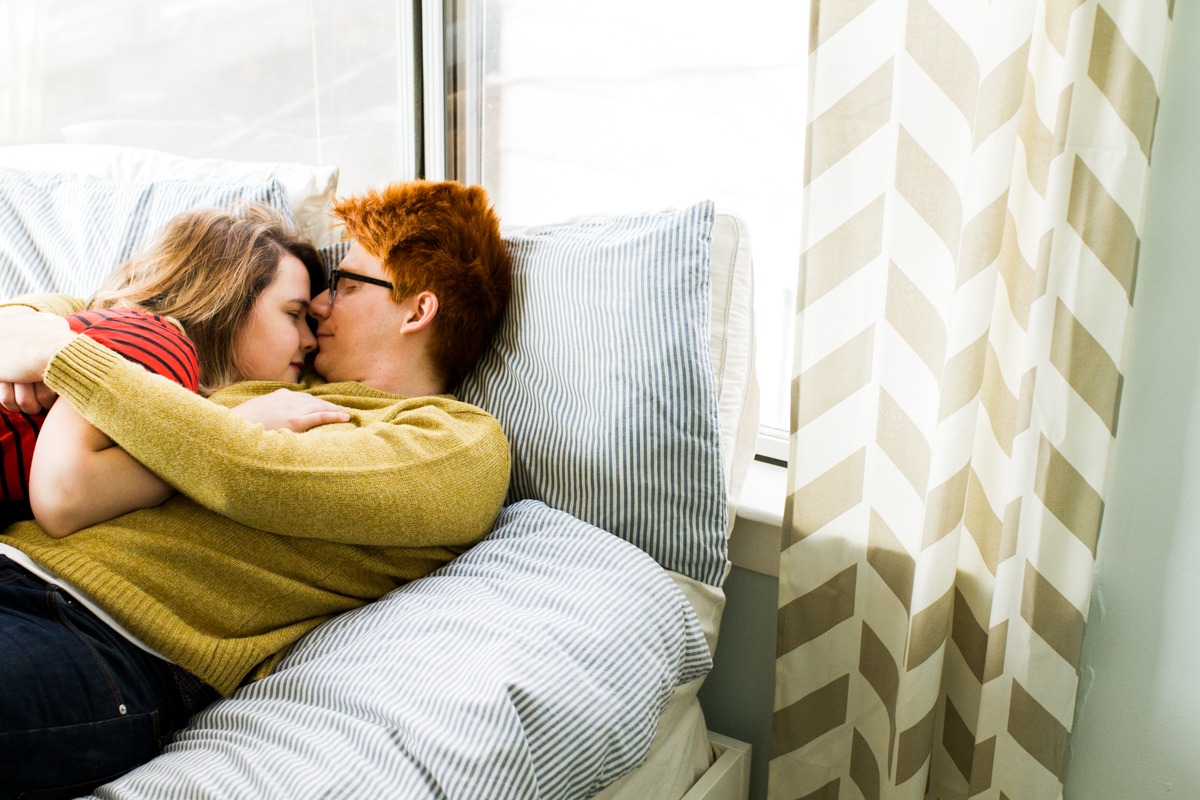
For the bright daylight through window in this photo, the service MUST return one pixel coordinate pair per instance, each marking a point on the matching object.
(626, 105)
(250, 80)
(571, 108)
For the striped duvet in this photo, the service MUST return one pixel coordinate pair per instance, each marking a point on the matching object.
(535, 666)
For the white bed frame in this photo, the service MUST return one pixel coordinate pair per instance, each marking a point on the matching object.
(729, 776)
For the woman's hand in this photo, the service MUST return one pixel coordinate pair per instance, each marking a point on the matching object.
(30, 398)
(291, 410)
(36, 336)
(28, 342)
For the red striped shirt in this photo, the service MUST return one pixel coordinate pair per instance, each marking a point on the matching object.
(140, 337)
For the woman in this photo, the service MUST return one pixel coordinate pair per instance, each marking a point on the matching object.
(239, 283)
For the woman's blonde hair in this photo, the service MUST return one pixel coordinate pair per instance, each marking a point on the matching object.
(207, 270)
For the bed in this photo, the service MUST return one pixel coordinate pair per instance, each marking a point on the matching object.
(560, 657)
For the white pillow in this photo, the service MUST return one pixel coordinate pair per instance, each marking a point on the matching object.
(732, 346)
(309, 189)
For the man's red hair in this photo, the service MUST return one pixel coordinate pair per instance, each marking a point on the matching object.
(444, 238)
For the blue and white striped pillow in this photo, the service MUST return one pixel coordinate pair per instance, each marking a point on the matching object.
(66, 233)
(602, 378)
(332, 255)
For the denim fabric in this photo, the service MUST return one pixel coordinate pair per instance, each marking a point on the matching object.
(79, 704)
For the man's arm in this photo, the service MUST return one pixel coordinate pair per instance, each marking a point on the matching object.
(435, 475)
(58, 304)
(80, 477)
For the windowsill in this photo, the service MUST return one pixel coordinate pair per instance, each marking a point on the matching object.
(755, 539)
(764, 494)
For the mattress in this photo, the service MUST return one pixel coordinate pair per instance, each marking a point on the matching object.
(680, 753)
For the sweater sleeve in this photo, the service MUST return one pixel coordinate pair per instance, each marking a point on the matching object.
(435, 472)
(61, 304)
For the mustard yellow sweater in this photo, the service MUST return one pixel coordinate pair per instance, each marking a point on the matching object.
(272, 532)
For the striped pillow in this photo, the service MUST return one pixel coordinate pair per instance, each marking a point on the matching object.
(66, 233)
(332, 255)
(602, 379)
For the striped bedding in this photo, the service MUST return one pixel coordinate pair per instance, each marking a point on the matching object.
(601, 376)
(538, 663)
(65, 233)
(534, 666)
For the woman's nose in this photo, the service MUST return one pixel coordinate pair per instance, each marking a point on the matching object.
(308, 341)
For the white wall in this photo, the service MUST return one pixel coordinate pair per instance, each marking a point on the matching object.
(1137, 718)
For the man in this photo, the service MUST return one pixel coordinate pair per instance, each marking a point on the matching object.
(272, 532)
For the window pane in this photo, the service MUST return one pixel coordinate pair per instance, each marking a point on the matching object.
(621, 106)
(213, 78)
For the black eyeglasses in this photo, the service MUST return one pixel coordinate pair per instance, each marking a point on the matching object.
(338, 274)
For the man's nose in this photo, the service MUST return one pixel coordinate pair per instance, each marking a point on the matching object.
(319, 306)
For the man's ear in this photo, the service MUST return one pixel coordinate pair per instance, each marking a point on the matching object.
(418, 311)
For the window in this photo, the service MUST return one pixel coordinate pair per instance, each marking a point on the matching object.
(627, 105)
(253, 80)
(559, 109)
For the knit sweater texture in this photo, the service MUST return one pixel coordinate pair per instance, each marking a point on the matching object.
(272, 532)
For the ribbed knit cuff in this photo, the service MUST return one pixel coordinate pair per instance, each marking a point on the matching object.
(60, 304)
(78, 368)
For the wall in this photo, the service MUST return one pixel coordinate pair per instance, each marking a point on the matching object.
(1137, 717)
(738, 696)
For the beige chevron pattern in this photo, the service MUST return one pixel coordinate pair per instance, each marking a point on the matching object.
(974, 183)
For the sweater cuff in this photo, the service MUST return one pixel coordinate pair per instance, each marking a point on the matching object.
(60, 304)
(78, 369)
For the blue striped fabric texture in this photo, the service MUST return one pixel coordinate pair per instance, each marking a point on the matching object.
(497, 676)
(66, 233)
(332, 255)
(602, 378)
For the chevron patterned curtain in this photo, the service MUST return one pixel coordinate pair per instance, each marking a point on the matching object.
(975, 174)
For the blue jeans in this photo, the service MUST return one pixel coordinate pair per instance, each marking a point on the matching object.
(79, 704)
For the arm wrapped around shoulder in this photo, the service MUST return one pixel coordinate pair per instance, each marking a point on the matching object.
(413, 472)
